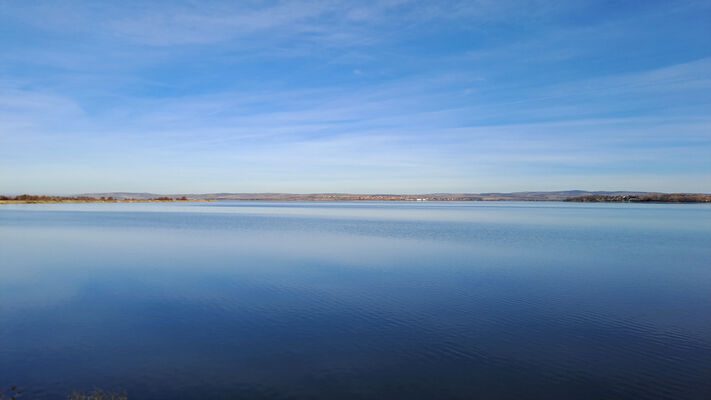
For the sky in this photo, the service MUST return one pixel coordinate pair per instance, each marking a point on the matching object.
(390, 96)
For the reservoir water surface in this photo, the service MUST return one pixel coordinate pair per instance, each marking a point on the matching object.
(279, 300)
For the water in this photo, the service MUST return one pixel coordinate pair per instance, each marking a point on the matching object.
(357, 300)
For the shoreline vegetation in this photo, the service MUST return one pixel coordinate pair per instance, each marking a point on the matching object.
(644, 198)
(568, 196)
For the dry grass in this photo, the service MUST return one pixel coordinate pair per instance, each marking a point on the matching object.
(12, 394)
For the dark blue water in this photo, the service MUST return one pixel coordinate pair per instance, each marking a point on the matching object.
(357, 300)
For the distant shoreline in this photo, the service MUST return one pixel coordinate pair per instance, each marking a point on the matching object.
(587, 197)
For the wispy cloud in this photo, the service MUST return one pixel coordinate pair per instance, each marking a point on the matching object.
(336, 96)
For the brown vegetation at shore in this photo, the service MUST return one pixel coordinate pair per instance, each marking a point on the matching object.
(30, 199)
(13, 394)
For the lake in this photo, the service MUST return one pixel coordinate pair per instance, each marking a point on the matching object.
(401, 300)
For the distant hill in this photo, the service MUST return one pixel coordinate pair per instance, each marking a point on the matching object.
(123, 195)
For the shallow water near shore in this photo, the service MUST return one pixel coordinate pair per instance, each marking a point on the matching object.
(359, 300)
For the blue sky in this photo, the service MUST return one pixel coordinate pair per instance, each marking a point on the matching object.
(362, 96)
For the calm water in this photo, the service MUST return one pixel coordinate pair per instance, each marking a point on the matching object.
(357, 300)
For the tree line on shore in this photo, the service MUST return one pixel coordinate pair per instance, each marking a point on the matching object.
(644, 198)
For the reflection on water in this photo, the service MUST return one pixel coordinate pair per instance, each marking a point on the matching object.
(357, 300)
